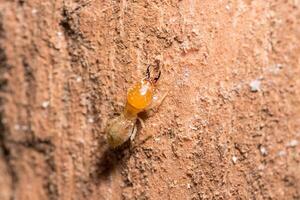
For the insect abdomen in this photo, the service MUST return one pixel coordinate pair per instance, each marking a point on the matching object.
(119, 131)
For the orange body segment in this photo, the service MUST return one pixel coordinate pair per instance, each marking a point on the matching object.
(139, 97)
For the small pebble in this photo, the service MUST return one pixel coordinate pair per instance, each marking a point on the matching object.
(234, 159)
(59, 34)
(91, 120)
(292, 143)
(281, 153)
(194, 128)
(81, 141)
(255, 85)
(263, 151)
(78, 79)
(186, 73)
(34, 11)
(45, 104)
(189, 186)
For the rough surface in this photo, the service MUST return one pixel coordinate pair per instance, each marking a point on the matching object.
(228, 129)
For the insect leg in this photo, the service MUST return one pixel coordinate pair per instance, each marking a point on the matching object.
(133, 133)
(141, 122)
(156, 101)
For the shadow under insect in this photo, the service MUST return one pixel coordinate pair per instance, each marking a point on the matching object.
(110, 159)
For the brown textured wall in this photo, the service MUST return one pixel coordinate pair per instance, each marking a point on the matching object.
(228, 129)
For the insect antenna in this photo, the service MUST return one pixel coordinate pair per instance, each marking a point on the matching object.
(156, 70)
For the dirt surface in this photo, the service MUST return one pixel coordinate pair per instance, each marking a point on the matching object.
(228, 129)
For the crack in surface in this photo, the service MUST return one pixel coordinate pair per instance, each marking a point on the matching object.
(7, 144)
(4, 149)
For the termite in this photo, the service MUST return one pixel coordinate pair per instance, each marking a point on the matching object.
(141, 97)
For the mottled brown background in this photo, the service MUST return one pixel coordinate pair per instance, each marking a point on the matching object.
(65, 66)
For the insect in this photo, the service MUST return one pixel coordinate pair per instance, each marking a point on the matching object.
(140, 97)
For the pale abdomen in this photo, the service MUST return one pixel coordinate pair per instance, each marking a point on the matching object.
(119, 130)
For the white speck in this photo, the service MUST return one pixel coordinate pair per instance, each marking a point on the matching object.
(292, 143)
(195, 31)
(278, 66)
(263, 151)
(255, 85)
(84, 99)
(261, 167)
(157, 139)
(81, 141)
(275, 69)
(78, 79)
(194, 128)
(91, 120)
(234, 159)
(281, 153)
(24, 128)
(186, 73)
(227, 7)
(17, 127)
(34, 11)
(188, 186)
(59, 33)
(45, 104)
(185, 46)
